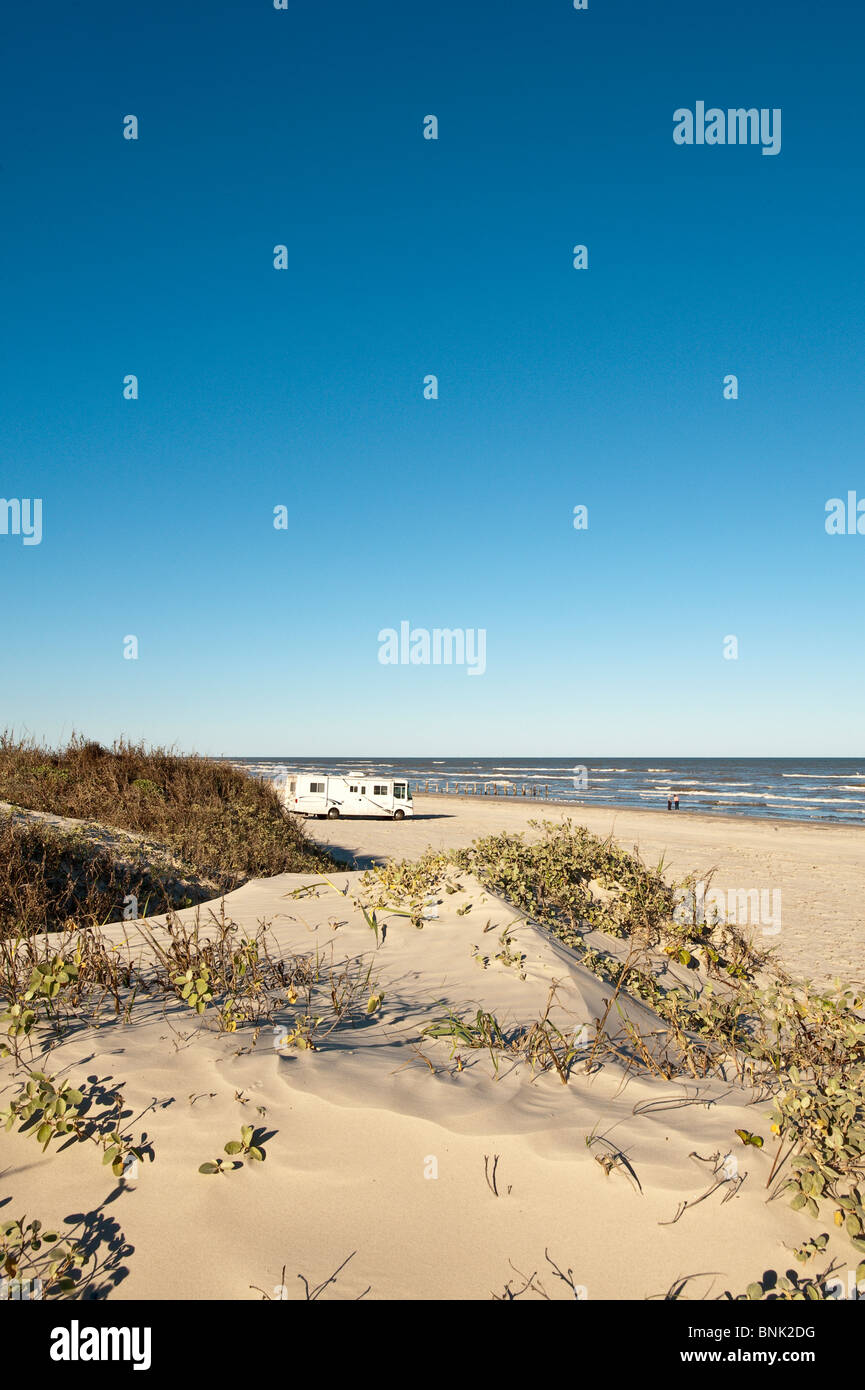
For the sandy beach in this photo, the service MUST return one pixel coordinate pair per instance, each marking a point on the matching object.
(408, 1165)
(819, 869)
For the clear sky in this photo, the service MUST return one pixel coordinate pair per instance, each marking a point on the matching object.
(407, 257)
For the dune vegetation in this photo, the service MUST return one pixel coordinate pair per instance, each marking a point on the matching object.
(723, 1008)
(168, 829)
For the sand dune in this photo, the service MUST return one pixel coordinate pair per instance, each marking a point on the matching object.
(819, 870)
(376, 1143)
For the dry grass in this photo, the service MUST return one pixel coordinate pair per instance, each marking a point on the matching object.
(52, 880)
(221, 822)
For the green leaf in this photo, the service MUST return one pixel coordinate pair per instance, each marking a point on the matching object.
(233, 1147)
(209, 1168)
(755, 1291)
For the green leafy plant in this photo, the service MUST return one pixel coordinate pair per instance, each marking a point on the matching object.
(508, 954)
(30, 1253)
(242, 1148)
(809, 1248)
(411, 890)
(194, 988)
(17, 1023)
(794, 1288)
(52, 1109)
(48, 980)
(48, 1110)
(756, 1140)
(118, 1149)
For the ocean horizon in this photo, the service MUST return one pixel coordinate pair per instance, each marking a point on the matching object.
(824, 789)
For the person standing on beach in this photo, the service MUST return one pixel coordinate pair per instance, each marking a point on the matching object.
(676, 802)
(669, 803)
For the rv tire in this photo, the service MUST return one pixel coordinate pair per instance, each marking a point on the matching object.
(399, 815)
(333, 813)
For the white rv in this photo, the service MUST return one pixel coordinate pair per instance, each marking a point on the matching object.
(356, 794)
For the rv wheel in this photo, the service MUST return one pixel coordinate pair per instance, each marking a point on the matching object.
(399, 815)
(333, 813)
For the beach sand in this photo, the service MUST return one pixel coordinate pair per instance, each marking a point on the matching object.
(379, 1145)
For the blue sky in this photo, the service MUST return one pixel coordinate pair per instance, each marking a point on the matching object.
(557, 387)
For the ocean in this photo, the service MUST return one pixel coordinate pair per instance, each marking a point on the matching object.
(829, 789)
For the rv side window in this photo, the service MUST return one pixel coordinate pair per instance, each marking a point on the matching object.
(352, 789)
(293, 786)
(379, 791)
(399, 790)
(363, 791)
(316, 786)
